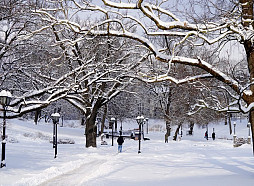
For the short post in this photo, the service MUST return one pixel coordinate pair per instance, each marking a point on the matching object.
(55, 117)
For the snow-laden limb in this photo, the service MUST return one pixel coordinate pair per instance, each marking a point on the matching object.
(31, 105)
(176, 59)
(216, 73)
(168, 28)
(58, 88)
(121, 5)
(238, 104)
(232, 107)
(77, 101)
(187, 31)
(148, 8)
(229, 93)
(247, 93)
(166, 77)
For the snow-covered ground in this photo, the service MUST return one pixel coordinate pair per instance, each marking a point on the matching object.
(193, 161)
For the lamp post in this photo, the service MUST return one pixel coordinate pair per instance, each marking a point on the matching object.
(249, 138)
(112, 121)
(5, 99)
(140, 120)
(55, 117)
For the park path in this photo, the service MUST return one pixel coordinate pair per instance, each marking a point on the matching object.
(86, 173)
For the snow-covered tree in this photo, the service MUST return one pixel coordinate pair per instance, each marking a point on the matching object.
(56, 62)
(212, 24)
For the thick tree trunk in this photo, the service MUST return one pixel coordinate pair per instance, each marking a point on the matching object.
(251, 117)
(247, 15)
(250, 98)
(247, 12)
(90, 132)
(91, 128)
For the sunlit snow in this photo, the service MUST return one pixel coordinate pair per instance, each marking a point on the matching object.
(191, 161)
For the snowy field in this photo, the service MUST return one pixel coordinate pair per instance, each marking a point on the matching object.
(193, 161)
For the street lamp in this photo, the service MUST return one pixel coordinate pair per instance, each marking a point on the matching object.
(55, 117)
(5, 99)
(140, 120)
(111, 123)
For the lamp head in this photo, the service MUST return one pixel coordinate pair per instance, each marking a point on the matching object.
(55, 117)
(140, 119)
(5, 98)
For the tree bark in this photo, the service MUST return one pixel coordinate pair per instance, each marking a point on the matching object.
(91, 128)
(247, 15)
(90, 132)
(251, 117)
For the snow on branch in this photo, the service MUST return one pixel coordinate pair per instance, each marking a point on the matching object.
(210, 69)
(236, 104)
(147, 10)
(165, 77)
(121, 5)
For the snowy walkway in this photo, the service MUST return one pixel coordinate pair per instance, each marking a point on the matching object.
(193, 161)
